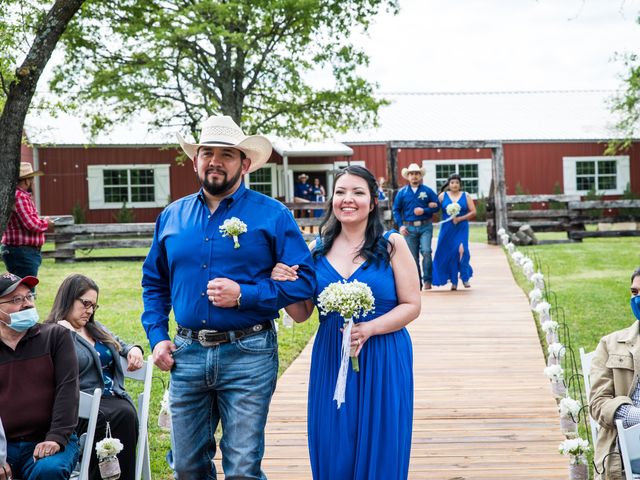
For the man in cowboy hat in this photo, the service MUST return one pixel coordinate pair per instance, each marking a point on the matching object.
(413, 209)
(211, 260)
(24, 236)
(39, 387)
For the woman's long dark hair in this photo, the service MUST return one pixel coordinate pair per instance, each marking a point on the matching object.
(453, 176)
(375, 246)
(72, 288)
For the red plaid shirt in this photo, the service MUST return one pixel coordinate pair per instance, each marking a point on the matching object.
(25, 227)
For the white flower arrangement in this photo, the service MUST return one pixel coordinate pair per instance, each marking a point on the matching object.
(233, 227)
(543, 309)
(501, 232)
(510, 247)
(538, 280)
(569, 407)
(108, 447)
(505, 239)
(576, 448)
(528, 268)
(453, 209)
(550, 326)
(556, 350)
(517, 257)
(555, 373)
(349, 299)
(535, 295)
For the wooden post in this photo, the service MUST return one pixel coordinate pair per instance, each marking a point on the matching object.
(392, 168)
(499, 187)
(65, 251)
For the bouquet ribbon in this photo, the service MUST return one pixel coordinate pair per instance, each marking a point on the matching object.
(341, 382)
(444, 221)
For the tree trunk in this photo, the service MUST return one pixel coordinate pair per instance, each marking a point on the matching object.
(19, 97)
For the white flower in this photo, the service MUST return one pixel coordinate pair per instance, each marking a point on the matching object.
(501, 232)
(349, 299)
(543, 309)
(569, 407)
(453, 209)
(422, 195)
(555, 373)
(108, 447)
(232, 227)
(505, 239)
(550, 326)
(164, 403)
(577, 448)
(527, 268)
(556, 349)
(538, 280)
(510, 247)
(535, 294)
(517, 256)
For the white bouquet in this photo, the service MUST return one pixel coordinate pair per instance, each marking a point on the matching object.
(453, 209)
(510, 247)
(233, 227)
(108, 447)
(550, 326)
(501, 232)
(517, 257)
(569, 407)
(576, 448)
(543, 309)
(527, 268)
(351, 300)
(506, 239)
(556, 350)
(555, 373)
(538, 280)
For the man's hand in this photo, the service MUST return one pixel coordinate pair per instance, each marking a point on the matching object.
(433, 205)
(418, 211)
(134, 359)
(223, 292)
(162, 355)
(45, 449)
(404, 231)
(5, 472)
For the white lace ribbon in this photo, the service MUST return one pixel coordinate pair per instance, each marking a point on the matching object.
(341, 382)
(444, 221)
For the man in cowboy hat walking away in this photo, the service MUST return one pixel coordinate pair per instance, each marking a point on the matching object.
(211, 260)
(24, 236)
(413, 208)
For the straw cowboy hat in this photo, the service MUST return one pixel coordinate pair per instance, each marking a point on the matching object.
(412, 168)
(303, 175)
(222, 131)
(26, 171)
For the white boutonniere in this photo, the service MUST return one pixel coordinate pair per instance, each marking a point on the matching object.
(233, 227)
(422, 195)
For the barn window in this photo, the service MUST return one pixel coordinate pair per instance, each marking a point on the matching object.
(137, 186)
(262, 180)
(605, 175)
(475, 174)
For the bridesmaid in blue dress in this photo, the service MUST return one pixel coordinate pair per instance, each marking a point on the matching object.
(369, 436)
(451, 259)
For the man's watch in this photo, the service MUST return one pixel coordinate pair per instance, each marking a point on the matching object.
(238, 299)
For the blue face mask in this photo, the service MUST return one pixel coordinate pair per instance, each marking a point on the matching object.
(23, 320)
(635, 306)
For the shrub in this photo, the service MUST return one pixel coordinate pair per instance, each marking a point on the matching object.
(124, 215)
(79, 213)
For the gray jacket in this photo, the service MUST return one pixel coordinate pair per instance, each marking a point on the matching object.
(90, 368)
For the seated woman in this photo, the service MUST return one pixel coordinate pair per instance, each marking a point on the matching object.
(613, 371)
(98, 350)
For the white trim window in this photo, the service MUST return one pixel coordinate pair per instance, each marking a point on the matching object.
(136, 186)
(263, 180)
(606, 175)
(475, 173)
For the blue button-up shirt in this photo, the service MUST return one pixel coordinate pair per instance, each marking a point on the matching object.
(188, 251)
(406, 200)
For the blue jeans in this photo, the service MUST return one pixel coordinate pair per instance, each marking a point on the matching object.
(230, 383)
(22, 261)
(419, 241)
(55, 467)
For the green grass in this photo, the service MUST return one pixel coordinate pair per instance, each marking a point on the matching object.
(120, 309)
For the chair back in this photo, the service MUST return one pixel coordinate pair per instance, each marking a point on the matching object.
(585, 361)
(88, 409)
(629, 441)
(144, 374)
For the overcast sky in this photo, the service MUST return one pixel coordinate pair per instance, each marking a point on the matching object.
(495, 45)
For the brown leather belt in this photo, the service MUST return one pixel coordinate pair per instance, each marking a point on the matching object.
(212, 338)
(416, 223)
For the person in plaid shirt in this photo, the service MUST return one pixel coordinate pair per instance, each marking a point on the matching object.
(24, 236)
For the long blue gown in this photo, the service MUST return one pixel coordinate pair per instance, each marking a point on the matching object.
(369, 437)
(447, 264)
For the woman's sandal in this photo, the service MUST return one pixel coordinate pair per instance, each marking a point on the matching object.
(466, 284)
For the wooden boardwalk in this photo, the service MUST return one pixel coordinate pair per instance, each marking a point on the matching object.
(483, 408)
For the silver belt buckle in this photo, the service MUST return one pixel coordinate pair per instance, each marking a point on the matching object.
(202, 338)
(417, 223)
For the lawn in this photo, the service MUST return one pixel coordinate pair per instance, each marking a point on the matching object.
(120, 308)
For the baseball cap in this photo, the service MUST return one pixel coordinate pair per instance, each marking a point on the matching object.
(9, 282)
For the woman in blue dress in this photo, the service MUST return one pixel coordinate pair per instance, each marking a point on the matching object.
(369, 436)
(451, 260)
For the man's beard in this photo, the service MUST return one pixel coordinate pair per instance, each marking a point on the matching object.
(223, 185)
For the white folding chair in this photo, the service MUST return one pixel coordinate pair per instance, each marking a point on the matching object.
(89, 409)
(585, 360)
(629, 441)
(145, 374)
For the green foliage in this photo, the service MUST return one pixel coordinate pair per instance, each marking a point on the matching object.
(79, 213)
(521, 191)
(554, 204)
(125, 215)
(250, 59)
(481, 209)
(625, 105)
(595, 212)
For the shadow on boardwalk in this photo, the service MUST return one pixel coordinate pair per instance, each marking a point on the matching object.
(483, 408)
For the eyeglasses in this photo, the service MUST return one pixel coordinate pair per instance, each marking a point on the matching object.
(634, 292)
(87, 304)
(20, 299)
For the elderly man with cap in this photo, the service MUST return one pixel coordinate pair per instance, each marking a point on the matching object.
(211, 260)
(413, 208)
(24, 236)
(38, 387)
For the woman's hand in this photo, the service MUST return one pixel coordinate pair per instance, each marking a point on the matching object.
(360, 333)
(283, 273)
(134, 359)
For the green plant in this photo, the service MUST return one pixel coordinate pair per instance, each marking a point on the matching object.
(554, 204)
(79, 213)
(592, 195)
(124, 215)
(629, 195)
(524, 205)
(481, 209)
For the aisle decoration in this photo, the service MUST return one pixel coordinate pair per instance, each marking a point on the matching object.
(569, 411)
(106, 450)
(576, 449)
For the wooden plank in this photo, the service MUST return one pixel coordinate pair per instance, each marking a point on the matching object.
(564, 213)
(542, 198)
(606, 234)
(597, 204)
(114, 243)
(107, 228)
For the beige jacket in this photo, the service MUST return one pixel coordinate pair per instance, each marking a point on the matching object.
(614, 375)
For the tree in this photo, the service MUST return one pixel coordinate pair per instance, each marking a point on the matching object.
(18, 85)
(626, 105)
(182, 60)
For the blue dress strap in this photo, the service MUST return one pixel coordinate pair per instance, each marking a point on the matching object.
(388, 233)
